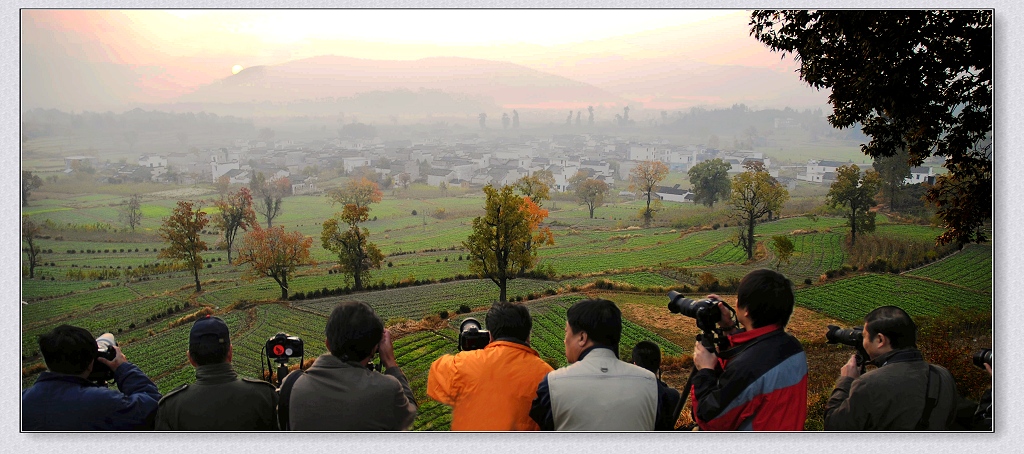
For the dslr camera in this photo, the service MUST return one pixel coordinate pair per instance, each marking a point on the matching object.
(471, 337)
(104, 349)
(706, 313)
(279, 349)
(854, 337)
(983, 357)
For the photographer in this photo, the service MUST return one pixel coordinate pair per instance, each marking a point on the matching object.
(219, 399)
(596, 391)
(492, 388)
(63, 398)
(760, 381)
(647, 354)
(903, 393)
(339, 391)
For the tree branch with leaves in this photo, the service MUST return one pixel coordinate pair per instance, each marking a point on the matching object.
(236, 213)
(181, 232)
(644, 178)
(274, 253)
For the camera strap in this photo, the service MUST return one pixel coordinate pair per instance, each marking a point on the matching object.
(285, 394)
(931, 398)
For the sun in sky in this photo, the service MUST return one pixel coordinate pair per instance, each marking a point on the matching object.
(236, 69)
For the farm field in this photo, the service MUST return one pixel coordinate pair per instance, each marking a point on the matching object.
(98, 276)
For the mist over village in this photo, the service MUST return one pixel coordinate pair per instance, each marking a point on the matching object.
(269, 199)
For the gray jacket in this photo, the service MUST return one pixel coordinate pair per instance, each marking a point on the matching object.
(892, 397)
(598, 392)
(343, 395)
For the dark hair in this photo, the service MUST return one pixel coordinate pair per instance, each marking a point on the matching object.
(352, 330)
(600, 319)
(509, 320)
(647, 354)
(894, 323)
(209, 352)
(767, 296)
(68, 349)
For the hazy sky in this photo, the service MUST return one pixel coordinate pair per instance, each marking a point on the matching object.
(162, 54)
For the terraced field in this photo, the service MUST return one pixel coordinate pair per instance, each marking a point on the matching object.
(970, 268)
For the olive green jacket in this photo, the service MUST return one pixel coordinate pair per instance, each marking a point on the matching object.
(219, 400)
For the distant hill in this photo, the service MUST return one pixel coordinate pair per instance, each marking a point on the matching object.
(468, 84)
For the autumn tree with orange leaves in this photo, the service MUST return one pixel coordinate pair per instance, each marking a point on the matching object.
(361, 193)
(181, 231)
(356, 255)
(274, 253)
(235, 213)
(497, 245)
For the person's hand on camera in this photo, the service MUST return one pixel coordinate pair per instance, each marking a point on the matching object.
(118, 360)
(386, 350)
(702, 358)
(988, 368)
(850, 369)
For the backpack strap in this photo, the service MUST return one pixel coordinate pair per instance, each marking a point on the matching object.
(285, 393)
(931, 397)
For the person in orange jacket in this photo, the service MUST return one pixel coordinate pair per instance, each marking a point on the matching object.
(492, 388)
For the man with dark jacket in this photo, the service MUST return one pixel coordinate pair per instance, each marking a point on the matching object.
(219, 399)
(64, 399)
(760, 381)
(339, 392)
(903, 393)
(647, 354)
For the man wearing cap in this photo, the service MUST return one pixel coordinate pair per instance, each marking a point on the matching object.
(219, 400)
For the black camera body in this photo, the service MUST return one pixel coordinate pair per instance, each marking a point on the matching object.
(705, 311)
(282, 346)
(983, 357)
(104, 349)
(853, 337)
(471, 337)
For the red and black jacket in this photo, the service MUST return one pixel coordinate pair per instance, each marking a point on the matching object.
(762, 384)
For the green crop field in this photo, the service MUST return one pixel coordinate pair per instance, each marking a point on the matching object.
(970, 268)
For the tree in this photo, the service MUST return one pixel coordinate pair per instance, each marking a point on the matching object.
(568, 120)
(131, 212)
(590, 118)
(404, 179)
(29, 182)
(29, 231)
(266, 134)
(361, 193)
(222, 184)
(131, 137)
(483, 120)
(857, 194)
(515, 119)
(235, 213)
(591, 192)
(579, 113)
(496, 244)
(783, 250)
(356, 255)
(914, 79)
(181, 231)
(710, 180)
(754, 195)
(644, 178)
(275, 254)
(537, 186)
(505, 120)
(268, 195)
(893, 172)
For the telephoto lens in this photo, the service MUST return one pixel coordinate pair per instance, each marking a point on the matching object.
(983, 357)
(849, 336)
(705, 311)
(105, 346)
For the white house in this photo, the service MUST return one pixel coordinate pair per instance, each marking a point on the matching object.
(437, 176)
(816, 170)
(920, 175)
(673, 194)
(351, 164)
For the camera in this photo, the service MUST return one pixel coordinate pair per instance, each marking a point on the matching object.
(104, 349)
(705, 311)
(282, 346)
(471, 337)
(853, 337)
(983, 357)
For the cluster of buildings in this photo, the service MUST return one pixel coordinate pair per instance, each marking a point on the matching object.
(824, 172)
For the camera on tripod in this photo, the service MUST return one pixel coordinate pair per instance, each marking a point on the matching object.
(280, 349)
(707, 314)
(101, 374)
(471, 337)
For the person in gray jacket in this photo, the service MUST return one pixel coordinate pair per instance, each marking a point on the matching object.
(904, 393)
(596, 391)
(219, 399)
(339, 392)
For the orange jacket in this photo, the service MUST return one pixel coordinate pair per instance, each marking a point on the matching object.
(489, 389)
